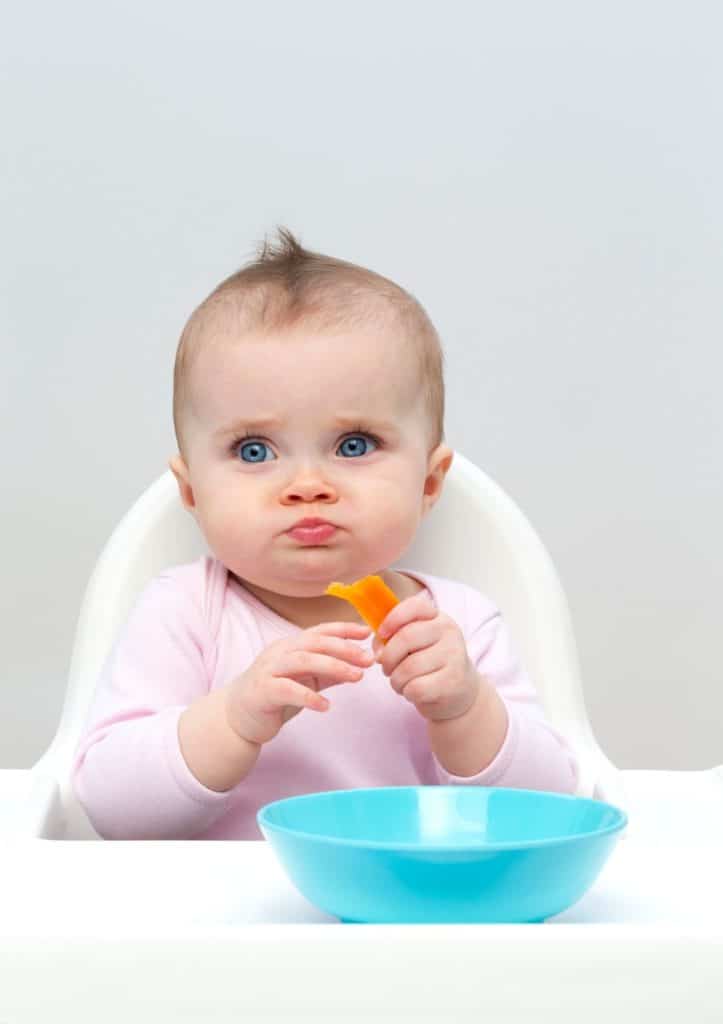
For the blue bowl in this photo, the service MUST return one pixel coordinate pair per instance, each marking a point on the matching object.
(441, 854)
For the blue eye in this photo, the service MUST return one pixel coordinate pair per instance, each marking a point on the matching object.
(354, 442)
(256, 449)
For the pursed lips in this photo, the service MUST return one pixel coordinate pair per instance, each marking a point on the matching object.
(308, 523)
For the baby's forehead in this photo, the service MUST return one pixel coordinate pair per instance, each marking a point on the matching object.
(365, 368)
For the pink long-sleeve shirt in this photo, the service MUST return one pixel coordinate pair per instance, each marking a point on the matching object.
(193, 629)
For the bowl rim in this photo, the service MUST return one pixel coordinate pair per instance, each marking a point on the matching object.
(480, 846)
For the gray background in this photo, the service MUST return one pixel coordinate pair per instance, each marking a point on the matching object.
(545, 177)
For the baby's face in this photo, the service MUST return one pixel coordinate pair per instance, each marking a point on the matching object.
(349, 444)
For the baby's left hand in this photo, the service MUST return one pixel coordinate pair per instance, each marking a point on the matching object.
(426, 659)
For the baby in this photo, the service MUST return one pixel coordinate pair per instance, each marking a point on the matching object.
(308, 409)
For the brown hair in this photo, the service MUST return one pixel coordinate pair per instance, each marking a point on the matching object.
(286, 284)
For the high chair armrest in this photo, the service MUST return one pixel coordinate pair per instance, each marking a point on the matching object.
(30, 805)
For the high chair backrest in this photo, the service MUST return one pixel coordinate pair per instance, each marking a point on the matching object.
(475, 534)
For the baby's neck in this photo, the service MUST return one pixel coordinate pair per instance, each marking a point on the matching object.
(312, 611)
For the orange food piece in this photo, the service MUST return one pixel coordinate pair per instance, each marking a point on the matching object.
(371, 597)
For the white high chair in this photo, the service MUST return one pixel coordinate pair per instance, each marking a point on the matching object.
(475, 534)
(644, 943)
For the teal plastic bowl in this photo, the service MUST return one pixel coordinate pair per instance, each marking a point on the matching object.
(441, 854)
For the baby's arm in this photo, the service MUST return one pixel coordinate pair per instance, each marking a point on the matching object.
(217, 756)
(129, 773)
(221, 734)
(162, 753)
(533, 755)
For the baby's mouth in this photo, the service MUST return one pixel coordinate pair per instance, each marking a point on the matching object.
(312, 534)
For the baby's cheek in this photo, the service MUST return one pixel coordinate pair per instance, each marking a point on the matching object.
(217, 523)
(393, 535)
(226, 531)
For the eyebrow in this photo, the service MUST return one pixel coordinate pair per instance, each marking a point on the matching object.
(274, 422)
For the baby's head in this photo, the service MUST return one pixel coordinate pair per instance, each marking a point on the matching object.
(308, 387)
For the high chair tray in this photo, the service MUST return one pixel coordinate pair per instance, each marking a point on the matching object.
(183, 926)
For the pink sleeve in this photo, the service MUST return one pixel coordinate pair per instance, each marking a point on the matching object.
(129, 773)
(533, 755)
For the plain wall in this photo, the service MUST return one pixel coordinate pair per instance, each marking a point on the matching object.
(545, 178)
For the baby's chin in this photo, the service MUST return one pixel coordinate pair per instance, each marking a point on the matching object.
(308, 582)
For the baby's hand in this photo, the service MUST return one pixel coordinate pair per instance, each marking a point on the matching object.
(289, 675)
(425, 657)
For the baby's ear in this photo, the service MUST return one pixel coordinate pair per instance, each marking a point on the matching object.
(179, 469)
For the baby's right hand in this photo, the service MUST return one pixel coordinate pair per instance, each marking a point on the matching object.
(289, 675)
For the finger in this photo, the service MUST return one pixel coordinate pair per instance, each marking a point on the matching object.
(310, 663)
(345, 629)
(426, 689)
(289, 693)
(416, 666)
(421, 606)
(345, 649)
(415, 636)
